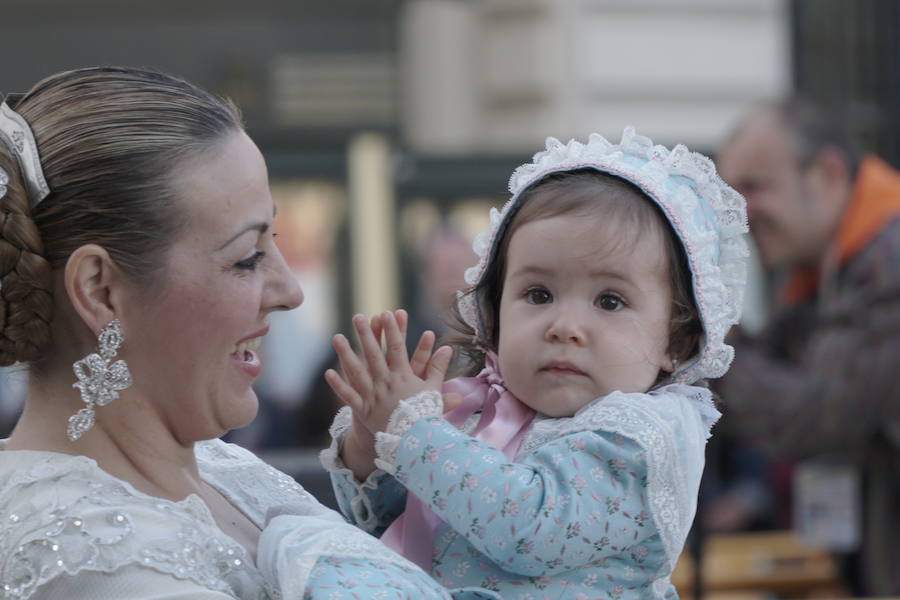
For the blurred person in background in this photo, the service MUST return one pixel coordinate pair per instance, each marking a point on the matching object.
(446, 255)
(818, 384)
(740, 488)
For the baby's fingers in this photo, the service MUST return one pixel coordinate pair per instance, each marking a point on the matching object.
(376, 325)
(422, 354)
(402, 320)
(354, 370)
(396, 342)
(343, 390)
(438, 365)
(370, 347)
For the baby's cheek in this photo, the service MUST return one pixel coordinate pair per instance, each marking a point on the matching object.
(513, 382)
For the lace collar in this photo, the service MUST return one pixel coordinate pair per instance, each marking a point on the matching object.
(63, 514)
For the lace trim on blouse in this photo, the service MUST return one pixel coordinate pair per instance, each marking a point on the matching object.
(63, 515)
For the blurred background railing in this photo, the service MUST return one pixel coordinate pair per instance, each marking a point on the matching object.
(848, 54)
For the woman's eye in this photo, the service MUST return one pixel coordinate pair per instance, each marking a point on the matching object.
(538, 296)
(610, 302)
(250, 264)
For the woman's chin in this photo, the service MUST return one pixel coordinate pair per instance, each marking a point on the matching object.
(240, 414)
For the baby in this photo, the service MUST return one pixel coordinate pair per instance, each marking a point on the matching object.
(571, 465)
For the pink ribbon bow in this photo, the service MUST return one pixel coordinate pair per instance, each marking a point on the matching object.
(503, 423)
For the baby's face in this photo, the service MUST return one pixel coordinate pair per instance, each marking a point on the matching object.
(585, 311)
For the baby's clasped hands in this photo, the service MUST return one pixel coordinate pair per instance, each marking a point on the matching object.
(374, 381)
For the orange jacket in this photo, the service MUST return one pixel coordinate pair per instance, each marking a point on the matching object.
(874, 202)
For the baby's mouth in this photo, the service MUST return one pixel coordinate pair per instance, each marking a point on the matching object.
(562, 368)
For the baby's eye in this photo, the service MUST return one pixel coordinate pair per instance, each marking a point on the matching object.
(538, 296)
(610, 302)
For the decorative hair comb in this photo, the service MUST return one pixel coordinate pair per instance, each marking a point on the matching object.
(20, 139)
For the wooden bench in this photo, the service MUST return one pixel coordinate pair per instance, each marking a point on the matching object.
(759, 565)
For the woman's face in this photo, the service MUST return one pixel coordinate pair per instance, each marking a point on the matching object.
(192, 344)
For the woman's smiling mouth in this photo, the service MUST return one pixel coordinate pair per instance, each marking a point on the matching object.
(245, 353)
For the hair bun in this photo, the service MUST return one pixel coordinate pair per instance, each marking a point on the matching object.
(26, 305)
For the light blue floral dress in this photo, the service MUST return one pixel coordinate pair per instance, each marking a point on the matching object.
(595, 505)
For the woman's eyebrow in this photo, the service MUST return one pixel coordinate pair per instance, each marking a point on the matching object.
(261, 227)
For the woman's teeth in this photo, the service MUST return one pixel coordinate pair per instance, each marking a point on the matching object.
(250, 345)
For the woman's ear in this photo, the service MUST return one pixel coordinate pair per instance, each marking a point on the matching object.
(91, 281)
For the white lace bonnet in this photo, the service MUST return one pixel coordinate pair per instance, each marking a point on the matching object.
(708, 216)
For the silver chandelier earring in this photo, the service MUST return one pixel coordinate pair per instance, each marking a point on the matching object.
(99, 381)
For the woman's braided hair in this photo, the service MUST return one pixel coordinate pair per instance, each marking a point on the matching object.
(27, 305)
(110, 140)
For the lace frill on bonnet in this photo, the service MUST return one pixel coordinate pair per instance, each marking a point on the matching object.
(709, 217)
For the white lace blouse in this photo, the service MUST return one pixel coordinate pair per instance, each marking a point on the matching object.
(71, 530)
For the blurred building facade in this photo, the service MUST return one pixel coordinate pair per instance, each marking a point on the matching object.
(462, 90)
(456, 92)
(503, 74)
(453, 94)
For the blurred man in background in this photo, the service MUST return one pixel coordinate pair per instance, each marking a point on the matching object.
(819, 383)
(442, 264)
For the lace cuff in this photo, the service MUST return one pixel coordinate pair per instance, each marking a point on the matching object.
(360, 505)
(330, 457)
(429, 403)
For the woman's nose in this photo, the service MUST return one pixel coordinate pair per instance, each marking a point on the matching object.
(284, 291)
